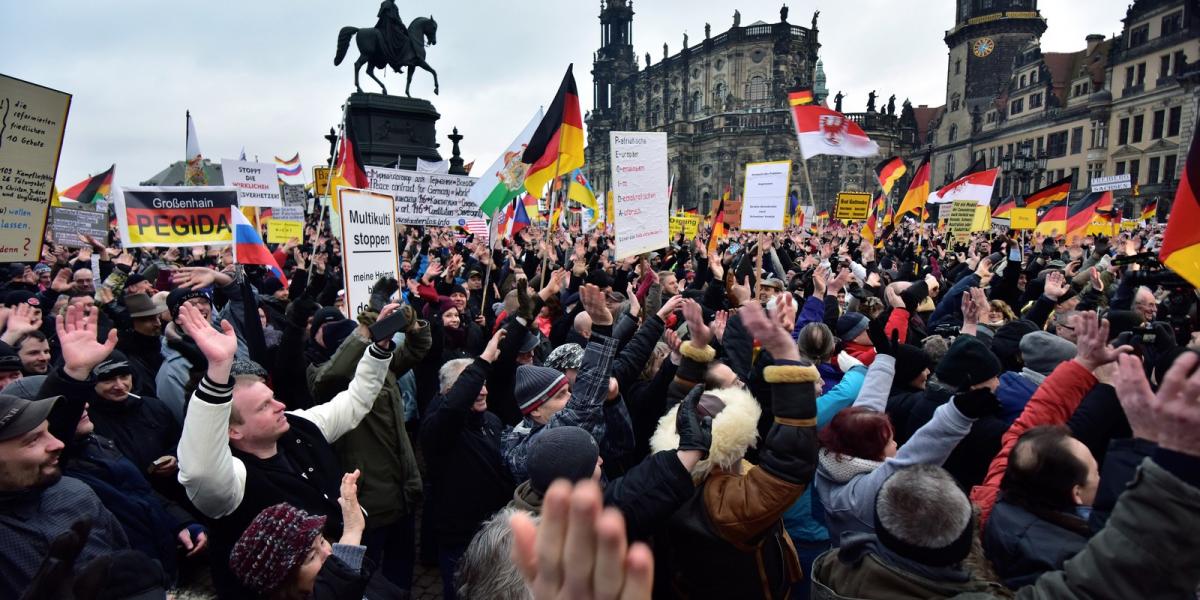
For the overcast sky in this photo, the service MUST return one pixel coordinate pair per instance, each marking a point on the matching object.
(259, 74)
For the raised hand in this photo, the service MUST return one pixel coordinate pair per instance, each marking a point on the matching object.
(1176, 413)
(353, 521)
(1091, 335)
(838, 283)
(634, 307)
(492, 351)
(673, 343)
(219, 347)
(784, 314)
(720, 321)
(820, 278)
(77, 333)
(62, 281)
(1097, 283)
(594, 305)
(670, 306)
(199, 277)
(1055, 286)
(774, 338)
(697, 329)
(695, 431)
(22, 320)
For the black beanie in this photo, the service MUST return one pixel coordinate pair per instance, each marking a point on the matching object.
(967, 362)
(1006, 344)
(269, 286)
(337, 332)
(325, 315)
(910, 361)
(566, 452)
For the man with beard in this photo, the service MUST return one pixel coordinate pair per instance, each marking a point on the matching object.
(142, 341)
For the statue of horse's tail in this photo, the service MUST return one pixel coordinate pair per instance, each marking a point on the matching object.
(343, 43)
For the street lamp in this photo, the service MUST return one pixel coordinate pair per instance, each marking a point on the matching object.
(1024, 165)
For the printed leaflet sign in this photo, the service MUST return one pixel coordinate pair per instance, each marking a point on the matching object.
(67, 224)
(852, 206)
(639, 177)
(765, 201)
(426, 198)
(175, 216)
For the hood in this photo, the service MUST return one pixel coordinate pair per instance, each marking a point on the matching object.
(734, 430)
(527, 499)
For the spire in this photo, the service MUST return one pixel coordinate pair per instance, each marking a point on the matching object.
(819, 90)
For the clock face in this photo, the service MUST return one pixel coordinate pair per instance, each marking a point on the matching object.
(983, 47)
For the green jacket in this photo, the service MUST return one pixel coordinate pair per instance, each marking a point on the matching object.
(390, 485)
(1148, 549)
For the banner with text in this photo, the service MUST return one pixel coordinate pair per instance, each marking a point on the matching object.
(175, 216)
(426, 198)
(256, 183)
(67, 224)
(685, 223)
(368, 225)
(852, 206)
(765, 196)
(962, 218)
(32, 121)
(639, 177)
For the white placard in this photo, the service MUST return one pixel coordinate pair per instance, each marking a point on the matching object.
(765, 195)
(368, 225)
(639, 186)
(1112, 182)
(256, 183)
(426, 198)
(288, 213)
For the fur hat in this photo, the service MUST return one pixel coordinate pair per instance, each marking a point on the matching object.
(734, 430)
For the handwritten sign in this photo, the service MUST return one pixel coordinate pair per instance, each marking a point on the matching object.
(32, 121)
(280, 231)
(639, 179)
(67, 224)
(426, 198)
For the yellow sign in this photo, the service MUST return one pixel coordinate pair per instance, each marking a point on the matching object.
(279, 232)
(685, 223)
(321, 181)
(1022, 218)
(1133, 224)
(962, 218)
(852, 206)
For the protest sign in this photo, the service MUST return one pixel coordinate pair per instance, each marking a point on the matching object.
(426, 198)
(32, 121)
(944, 212)
(293, 195)
(256, 183)
(685, 223)
(280, 231)
(639, 177)
(321, 181)
(175, 216)
(733, 213)
(962, 217)
(852, 206)
(1022, 218)
(67, 224)
(368, 225)
(765, 200)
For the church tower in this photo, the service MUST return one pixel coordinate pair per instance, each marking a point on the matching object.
(614, 61)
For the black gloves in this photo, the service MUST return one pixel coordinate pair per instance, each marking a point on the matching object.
(695, 431)
(913, 296)
(974, 404)
(879, 338)
(381, 291)
(300, 310)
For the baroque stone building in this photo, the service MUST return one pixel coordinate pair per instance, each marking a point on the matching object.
(722, 101)
(1120, 105)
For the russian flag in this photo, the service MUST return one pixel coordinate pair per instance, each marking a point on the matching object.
(248, 247)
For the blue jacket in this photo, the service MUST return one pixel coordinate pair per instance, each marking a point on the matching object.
(1014, 393)
(1022, 546)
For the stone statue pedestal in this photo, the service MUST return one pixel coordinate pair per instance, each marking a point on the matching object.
(387, 127)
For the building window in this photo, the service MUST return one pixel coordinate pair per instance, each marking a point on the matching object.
(1123, 132)
(1121, 168)
(1171, 23)
(1077, 140)
(1041, 144)
(950, 167)
(1169, 169)
(1129, 71)
(1180, 62)
(696, 102)
(1056, 144)
(1095, 170)
(1022, 84)
(954, 102)
(758, 88)
(1135, 169)
(1156, 130)
(1137, 128)
(1099, 134)
(1164, 66)
(1141, 74)
(957, 67)
(1035, 101)
(953, 134)
(1152, 170)
(1033, 77)
(1075, 177)
(1139, 35)
(992, 157)
(1173, 119)
(1018, 106)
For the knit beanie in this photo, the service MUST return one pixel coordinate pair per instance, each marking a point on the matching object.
(566, 452)
(329, 314)
(1006, 342)
(337, 332)
(178, 296)
(535, 385)
(244, 366)
(276, 541)
(910, 361)
(1043, 351)
(269, 286)
(916, 526)
(850, 325)
(967, 362)
(566, 356)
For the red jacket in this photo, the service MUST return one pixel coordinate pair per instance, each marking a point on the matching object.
(1052, 404)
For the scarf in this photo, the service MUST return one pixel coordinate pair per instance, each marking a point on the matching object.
(842, 468)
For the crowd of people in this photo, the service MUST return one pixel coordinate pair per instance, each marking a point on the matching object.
(798, 414)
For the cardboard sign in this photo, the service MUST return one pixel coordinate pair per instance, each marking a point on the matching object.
(32, 121)
(733, 213)
(962, 218)
(67, 224)
(1022, 218)
(280, 231)
(321, 181)
(256, 182)
(426, 198)
(175, 216)
(368, 226)
(765, 200)
(852, 206)
(685, 223)
(639, 177)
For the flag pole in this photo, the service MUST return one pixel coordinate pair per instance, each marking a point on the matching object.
(807, 182)
(550, 226)
(337, 146)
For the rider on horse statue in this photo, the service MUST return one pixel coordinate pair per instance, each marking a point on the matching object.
(390, 44)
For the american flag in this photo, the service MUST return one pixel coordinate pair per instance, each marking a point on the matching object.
(477, 228)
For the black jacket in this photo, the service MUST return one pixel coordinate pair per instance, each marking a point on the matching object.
(143, 428)
(1022, 546)
(466, 470)
(145, 359)
(969, 461)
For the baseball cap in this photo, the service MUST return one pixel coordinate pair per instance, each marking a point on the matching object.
(19, 416)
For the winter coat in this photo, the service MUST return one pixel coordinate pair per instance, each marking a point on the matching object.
(1147, 550)
(467, 478)
(145, 359)
(390, 485)
(1022, 545)
(348, 575)
(1014, 392)
(142, 428)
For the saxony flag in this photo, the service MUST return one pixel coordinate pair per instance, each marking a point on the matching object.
(505, 179)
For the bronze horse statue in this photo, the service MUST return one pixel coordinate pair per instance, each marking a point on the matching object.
(377, 51)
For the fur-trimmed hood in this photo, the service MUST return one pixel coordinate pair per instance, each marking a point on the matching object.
(734, 430)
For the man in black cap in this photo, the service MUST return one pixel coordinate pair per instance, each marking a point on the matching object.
(10, 365)
(142, 427)
(141, 341)
(138, 284)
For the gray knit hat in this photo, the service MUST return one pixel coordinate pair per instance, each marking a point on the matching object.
(1043, 351)
(535, 385)
(245, 366)
(850, 325)
(566, 356)
(566, 452)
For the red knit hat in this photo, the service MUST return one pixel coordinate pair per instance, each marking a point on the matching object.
(276, 541)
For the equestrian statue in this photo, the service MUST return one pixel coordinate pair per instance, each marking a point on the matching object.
(390, 44)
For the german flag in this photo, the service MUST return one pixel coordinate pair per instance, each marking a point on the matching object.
(556, 147)
(1054, 192)
(1150, 210)
(876, 214)
(823, 215)
(718, 228)
(1054, 221)
(1004, 207)
(918, 191)
(348, 170)
(1081, 213)
(800, 97)
(91, 189)
(1181, 243)
(889, 172)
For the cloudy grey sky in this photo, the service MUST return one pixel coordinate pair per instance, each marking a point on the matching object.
(259, 74)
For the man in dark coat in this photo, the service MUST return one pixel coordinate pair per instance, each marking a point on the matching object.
(141, 341)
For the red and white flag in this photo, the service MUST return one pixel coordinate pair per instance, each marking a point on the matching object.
(477, 228)
(824, 131)
(975, 186)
